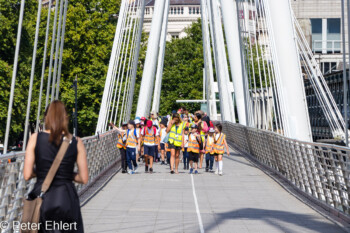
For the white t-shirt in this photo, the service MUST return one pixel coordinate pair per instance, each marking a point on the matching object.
(155, 122)
(150, 131)
(186, 140)
(217, 136)
(163, 135)
(132, 133)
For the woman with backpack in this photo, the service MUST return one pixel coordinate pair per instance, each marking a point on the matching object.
(219, 148)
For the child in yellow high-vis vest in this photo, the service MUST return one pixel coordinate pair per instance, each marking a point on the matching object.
(209, 151)
(194, 140)
(219, 148)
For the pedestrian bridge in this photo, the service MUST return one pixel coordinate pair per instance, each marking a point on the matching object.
(270, 184)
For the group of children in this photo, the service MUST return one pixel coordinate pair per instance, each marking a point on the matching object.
(148, 139)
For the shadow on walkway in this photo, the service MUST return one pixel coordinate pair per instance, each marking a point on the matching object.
(281, 220)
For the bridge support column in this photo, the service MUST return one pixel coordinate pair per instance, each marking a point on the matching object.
(159, 75)
(208, 63)
(229, 15)
(147, 83)
(288, 71)
(226, 101)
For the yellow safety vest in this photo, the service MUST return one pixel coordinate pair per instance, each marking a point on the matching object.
(131, 140)
(175, 136)
(120, 143)
(219, 144)
(209, 145)
(149, 137)
(193, 145)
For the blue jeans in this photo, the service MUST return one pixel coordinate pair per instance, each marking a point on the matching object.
(168, 154)
(186, 158)
(131, 157)
(209, 160)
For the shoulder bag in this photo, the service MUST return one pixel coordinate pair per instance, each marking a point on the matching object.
(31, 208)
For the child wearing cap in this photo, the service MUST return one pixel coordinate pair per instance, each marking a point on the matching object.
(132, 142)
(209, 152)
(219, 148)
(150, 139)
(194, 141)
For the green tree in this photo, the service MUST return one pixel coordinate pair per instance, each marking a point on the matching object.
(183, 70)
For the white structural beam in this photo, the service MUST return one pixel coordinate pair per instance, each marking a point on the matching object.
(159, 75)
(226, 101)
(147, 83)
(208, 63)
(288, 70)
(118, 31)
(229, 15)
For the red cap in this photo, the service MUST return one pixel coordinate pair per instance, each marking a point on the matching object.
(149, 124)
(143, 118)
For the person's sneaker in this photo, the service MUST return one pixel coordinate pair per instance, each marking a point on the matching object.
(123, 171)
(131, 172)
(191, 170)
(187, 167)
(216, 171)
(220, 173)
(184, 167)
(172, 172)
(206, 169)
(211, 170)
(135, 169)
(163, 163)
(151, 170)
(195, 172)
(146, 168)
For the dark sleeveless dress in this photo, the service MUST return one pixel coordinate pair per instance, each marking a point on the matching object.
(61, 202)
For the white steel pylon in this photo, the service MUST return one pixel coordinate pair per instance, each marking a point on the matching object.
(147, 83)
(288, 70)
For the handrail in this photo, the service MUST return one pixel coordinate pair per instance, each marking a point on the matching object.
(101, 154)
(321, 171)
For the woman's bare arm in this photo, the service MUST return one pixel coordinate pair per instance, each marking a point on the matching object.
(83, 174)
(29, 159)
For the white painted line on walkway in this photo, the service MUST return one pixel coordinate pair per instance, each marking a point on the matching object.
(197, 208)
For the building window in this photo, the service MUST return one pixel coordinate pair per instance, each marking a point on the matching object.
(172, 10)
(147, 11)
(316, 28)
(333, 36)
(174, 36)
(190, 10)
(182, 10)
(328, 67)
(326, 37)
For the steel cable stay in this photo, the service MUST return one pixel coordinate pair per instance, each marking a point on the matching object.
(131, 56)
(120, 46)
(120, 65)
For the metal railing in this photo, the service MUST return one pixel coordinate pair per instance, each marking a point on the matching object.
(102, 153)
(318, 170)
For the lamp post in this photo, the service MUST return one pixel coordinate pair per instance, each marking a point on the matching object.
(75, 110)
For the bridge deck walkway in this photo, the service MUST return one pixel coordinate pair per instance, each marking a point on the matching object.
(244, 199)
